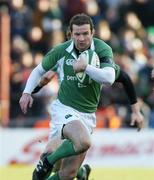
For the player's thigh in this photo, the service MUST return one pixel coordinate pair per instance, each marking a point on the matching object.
(71, 164)
(63, 115)
(78, 134)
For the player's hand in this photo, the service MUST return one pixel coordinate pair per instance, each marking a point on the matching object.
(138, 119)
(80, 64)
(26, 101)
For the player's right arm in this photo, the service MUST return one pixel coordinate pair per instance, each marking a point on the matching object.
(26, 99)
(49, 62)
(46, 78)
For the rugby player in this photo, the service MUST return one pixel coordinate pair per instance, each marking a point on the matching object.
(73, 112)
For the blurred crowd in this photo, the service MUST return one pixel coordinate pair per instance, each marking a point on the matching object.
(126, 25)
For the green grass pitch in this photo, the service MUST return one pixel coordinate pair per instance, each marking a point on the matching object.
(21, 172)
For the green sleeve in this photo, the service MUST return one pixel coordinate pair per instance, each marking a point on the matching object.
(103, 49)
(105, 54)
(50, 60)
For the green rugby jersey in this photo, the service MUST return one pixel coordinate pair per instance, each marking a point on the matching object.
(80, 96)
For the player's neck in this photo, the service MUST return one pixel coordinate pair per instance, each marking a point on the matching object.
(77, 51)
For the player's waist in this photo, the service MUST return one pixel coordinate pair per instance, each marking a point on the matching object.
(79, 105)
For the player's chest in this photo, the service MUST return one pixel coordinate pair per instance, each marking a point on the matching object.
(68, 64)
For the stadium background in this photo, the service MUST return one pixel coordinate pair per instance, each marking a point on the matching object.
(28, 29)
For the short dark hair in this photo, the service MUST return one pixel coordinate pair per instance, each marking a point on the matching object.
(81, 19)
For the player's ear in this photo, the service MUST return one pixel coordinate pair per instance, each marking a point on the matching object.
(93, 32)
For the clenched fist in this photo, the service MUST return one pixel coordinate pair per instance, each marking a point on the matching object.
(80, 64)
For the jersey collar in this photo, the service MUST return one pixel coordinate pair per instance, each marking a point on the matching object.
(70, 48)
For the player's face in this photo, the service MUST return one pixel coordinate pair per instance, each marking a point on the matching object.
(82, 36)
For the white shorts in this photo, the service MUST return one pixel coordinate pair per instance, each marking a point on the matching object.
(62, 114)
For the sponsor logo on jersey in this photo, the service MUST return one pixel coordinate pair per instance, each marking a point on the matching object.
(71, 78)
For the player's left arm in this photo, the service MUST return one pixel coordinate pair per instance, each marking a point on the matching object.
(100, 75)
(136, 116)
